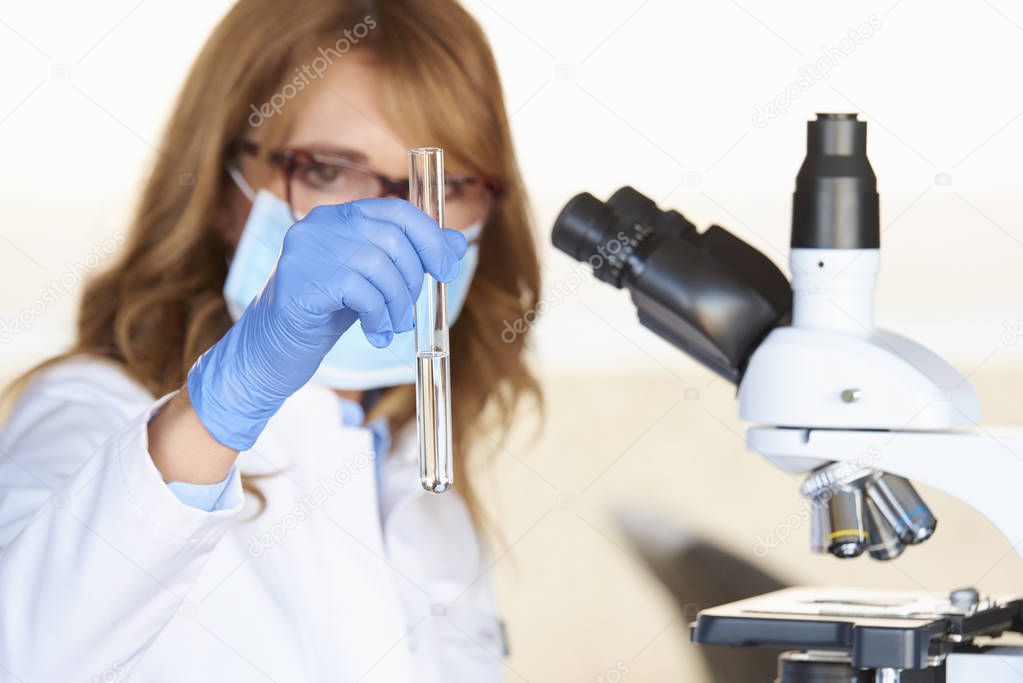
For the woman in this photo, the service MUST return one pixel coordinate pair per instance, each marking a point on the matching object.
(127, 547)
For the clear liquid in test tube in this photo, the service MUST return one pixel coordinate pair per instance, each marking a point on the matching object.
(433, 356)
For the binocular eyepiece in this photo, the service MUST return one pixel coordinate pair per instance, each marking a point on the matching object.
(710, 294)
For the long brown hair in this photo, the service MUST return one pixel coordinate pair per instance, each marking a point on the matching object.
(160, 305)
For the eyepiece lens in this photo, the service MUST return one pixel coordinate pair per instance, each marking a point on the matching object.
(582, 225)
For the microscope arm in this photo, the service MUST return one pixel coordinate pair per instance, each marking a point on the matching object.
(982, 468)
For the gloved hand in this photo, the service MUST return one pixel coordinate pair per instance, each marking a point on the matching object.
(358, 261)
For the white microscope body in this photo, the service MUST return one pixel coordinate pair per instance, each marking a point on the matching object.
(862, 411)
(832, 387)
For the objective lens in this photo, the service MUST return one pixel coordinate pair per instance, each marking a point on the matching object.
(820, 526)
(884, 544)
(903, 508)
(848, 535)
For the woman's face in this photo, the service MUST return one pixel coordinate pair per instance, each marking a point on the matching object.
(339, 116)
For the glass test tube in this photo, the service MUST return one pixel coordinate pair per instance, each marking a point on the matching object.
(433, 385)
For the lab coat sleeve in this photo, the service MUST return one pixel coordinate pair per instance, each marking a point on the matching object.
(208, 497)
(96, 552)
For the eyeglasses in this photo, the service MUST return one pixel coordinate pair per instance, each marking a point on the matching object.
(316, 178)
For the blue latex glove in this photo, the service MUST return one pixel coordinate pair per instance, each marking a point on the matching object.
(358, 261)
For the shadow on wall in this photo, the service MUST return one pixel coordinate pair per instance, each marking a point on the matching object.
(699, 574)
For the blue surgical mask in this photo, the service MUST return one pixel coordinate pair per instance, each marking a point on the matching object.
(353, 363)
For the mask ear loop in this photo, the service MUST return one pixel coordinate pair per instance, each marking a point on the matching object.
(245, 188)
(241, 182)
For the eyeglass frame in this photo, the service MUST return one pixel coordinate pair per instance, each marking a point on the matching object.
(290, 159)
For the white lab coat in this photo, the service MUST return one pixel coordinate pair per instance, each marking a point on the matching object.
(106, 576)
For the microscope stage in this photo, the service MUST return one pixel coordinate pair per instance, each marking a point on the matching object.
(902, 629)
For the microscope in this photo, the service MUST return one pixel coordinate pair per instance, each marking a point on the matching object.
(861, 411)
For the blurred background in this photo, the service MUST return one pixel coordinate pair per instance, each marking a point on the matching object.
(702, 106)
